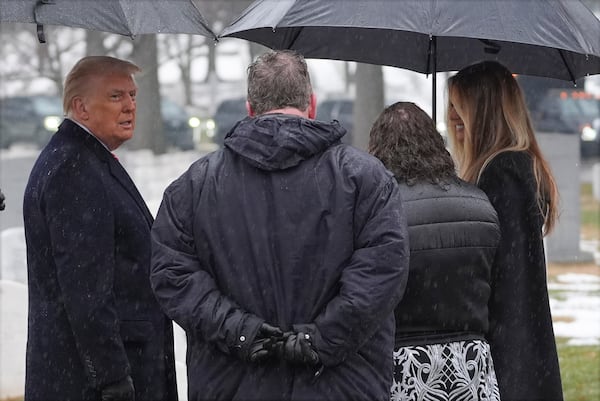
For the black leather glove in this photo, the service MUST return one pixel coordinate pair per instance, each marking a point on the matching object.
(120, 391)
(297, 348)
(2, 198)
(261, 348)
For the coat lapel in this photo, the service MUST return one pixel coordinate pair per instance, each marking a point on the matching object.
(117, 171)
(114, 166)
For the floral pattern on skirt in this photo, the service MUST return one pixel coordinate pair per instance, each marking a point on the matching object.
(455, 371)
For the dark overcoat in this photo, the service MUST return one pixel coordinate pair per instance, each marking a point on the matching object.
(92, 318)
(521, 334)
(285, 225)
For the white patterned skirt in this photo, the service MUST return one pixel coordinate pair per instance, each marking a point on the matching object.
(455, 371)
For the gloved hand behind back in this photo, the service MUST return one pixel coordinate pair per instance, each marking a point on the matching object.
(297, 348)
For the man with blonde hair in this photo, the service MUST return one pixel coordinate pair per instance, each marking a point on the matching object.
(95, 330)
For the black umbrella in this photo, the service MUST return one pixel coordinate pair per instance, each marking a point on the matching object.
(548, 38)
(125, 17)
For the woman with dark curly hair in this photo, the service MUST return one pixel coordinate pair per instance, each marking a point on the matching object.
(441, 322)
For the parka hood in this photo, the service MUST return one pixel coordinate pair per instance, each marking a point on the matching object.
(280, 141)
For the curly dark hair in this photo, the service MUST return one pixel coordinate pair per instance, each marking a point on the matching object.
(405, 139)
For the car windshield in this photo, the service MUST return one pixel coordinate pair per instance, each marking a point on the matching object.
(48, 106)
(235, 106)
(324, 110)
(170, 109)
(578, 107)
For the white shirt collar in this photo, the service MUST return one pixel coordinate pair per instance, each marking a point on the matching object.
(86, 129)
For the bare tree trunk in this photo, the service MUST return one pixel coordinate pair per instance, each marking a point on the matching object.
(94, 41)
(149, 130)
(186, 72)
(256, 50)
(348, 77)
(369, 102)
(212, 64)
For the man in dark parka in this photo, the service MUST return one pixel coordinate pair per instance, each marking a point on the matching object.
(288, 229)
(95, 330)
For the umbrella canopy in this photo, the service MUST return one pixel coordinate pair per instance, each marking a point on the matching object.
(125, 17)
(548, 38)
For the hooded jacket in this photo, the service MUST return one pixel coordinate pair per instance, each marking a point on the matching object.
(289, 226)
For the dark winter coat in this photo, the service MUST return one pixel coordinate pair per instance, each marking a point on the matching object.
(93, 318)
(521, 333)
(289, 226)
(453, 232)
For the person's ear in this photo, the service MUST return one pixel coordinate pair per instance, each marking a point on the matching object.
(249, 109)
(79, 108)
(312, 107)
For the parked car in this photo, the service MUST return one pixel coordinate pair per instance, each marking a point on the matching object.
(29, 119)
(228, 113)
(341, 110)
(559, 106)
(33, 119)
(177, 125)
(570, 111)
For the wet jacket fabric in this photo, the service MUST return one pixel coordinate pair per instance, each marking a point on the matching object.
(453, 233)
(285, 225)
(521, 332)
(93, 317)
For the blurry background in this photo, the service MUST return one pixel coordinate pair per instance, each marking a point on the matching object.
(194, 75)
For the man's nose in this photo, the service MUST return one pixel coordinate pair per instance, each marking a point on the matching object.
(129, 103)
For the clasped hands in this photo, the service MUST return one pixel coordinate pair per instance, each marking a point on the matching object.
(272, 343)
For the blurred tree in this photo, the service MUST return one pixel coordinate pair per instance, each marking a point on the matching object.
(348, 76)
(149, 126)
(25, 60)
(183, 50)
(368, 103)
(95, 43)
(219, 14)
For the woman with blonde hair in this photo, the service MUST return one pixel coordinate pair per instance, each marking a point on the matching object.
(493, 142)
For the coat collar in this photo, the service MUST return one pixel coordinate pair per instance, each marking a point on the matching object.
(279, 141)
(114, 166)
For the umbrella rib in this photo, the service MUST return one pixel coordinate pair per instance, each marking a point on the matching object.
(562, 56)
(294, 39)
(208, 29)
(429, 53)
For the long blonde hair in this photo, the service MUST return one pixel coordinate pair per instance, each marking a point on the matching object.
(492, 106)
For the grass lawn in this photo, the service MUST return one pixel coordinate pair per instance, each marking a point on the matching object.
(580, 371)
(580, 364)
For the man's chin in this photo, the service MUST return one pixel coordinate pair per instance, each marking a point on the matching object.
(126, 132)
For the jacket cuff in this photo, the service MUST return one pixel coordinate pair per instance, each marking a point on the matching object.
(327, 354)
(246, 334)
